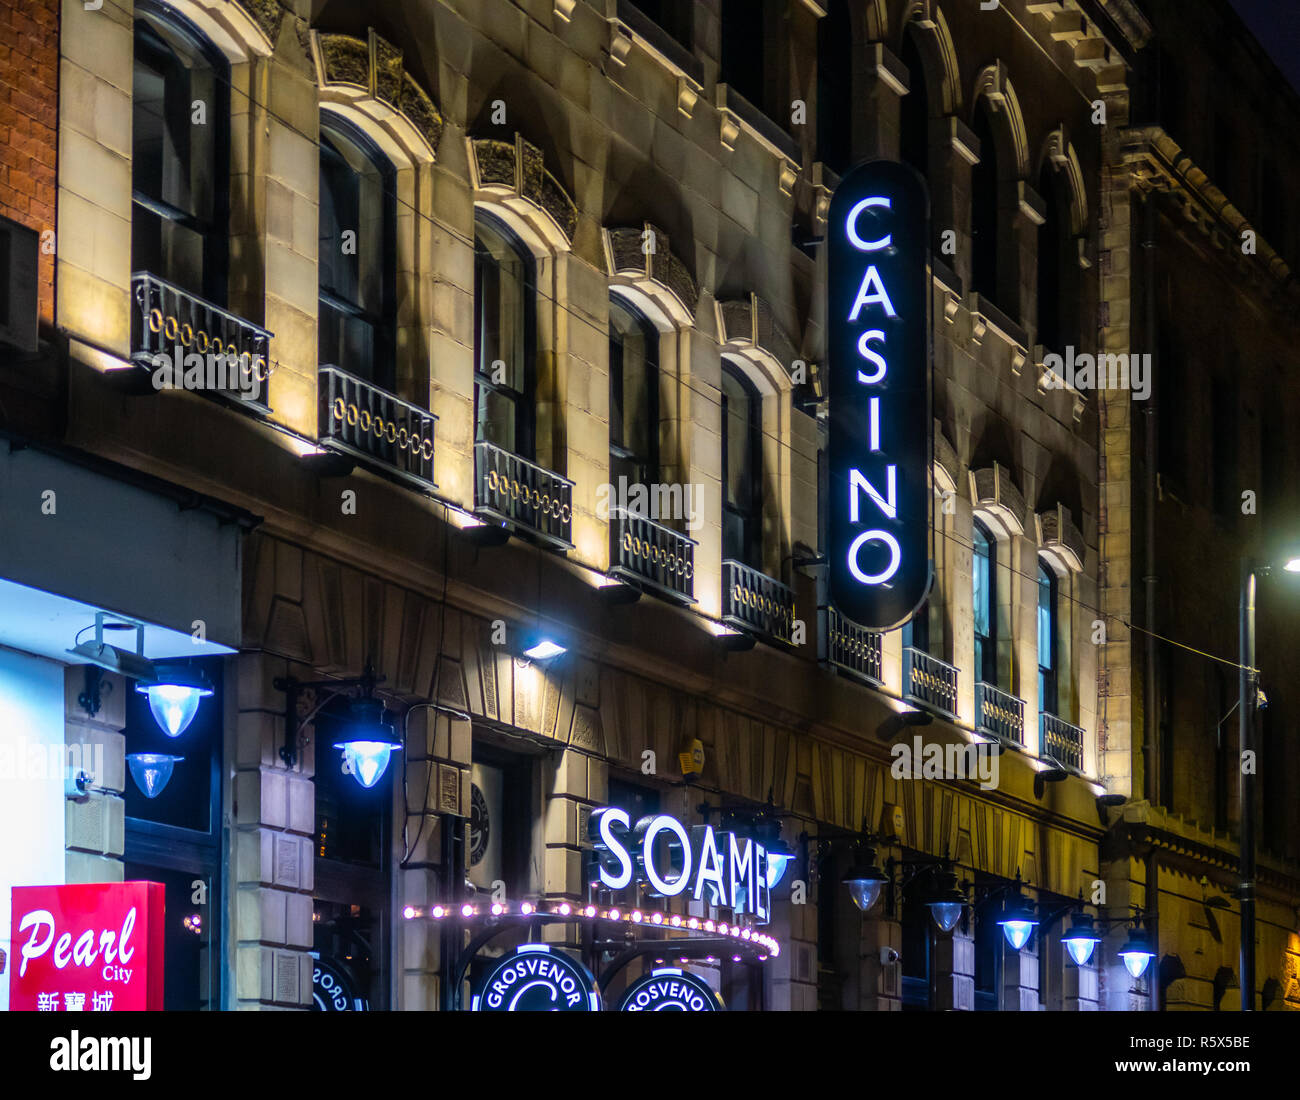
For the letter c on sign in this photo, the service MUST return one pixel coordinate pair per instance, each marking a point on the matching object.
(895, 557)
(851, 225)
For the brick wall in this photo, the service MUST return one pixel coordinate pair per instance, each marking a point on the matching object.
(29, 67)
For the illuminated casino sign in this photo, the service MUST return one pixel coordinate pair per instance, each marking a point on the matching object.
(669, 859)
(536, 978)
(670, 990)
(878, 348)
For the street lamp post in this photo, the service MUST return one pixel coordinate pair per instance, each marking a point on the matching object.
(1246, 697)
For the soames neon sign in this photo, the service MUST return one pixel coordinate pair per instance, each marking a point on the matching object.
(668, 859)
(879, 390)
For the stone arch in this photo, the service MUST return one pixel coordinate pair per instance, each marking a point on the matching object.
(995, 498)
(1060, 152)
(994, 84)
(749, 332)
(364, 81)
(938, 52)
(229, 27)
(510, 179)
(656, 281)
(1059, 540)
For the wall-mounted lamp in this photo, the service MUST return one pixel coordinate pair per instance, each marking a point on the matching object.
(1082, 939)
(152, 771)
(541, 648)
(174, 690)
(865, 880)
(1018, 920)
(1137, 952)
(368, 742)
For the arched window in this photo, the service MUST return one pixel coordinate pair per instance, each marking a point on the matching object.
(358, 254)
(1048, 700)
(504, 303)
(180, 167)
(914, 127)
(1059, 288)
(742, 468)
(984, 579)
(984, 207)
(633, 396)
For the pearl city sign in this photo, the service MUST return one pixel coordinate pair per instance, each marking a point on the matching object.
(878, 349)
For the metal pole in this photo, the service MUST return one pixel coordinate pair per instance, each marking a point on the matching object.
(1246, 743)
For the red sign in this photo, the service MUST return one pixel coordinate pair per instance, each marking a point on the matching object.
(96, 947)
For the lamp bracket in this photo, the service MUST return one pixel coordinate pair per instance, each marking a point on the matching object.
(293, 687)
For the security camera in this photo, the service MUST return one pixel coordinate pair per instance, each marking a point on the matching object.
(888, 955)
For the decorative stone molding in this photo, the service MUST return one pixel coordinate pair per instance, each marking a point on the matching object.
(628, 26)
(376, 66)
(1060, 152)
(627, 256)
(750, 323)
(1156, 163)
(1058, 534)
(963, 140)
(824, 182)
(1031, 203)
(267, 14)
(564, 9)
(516, 168)
(927, 18)
(945, 454)
(736, 113)
(992, 490)
(994, 84)
(620, 42)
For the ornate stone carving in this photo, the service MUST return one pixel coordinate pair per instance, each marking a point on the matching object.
(520, 167)
(626, 255)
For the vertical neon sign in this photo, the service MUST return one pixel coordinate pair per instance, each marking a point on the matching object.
(879, 389)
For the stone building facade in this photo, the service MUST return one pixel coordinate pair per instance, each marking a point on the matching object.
(544, 198)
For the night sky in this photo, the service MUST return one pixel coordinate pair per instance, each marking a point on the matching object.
(1276, 23)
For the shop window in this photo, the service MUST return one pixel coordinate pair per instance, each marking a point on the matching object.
(358, 254)
(175, 839)
(917, 960)
(633, 396)
(985, 215)
(352, 865)
(504, 327)
(984, 582)
(742, 470)
(499, 839)
(1047, 628)
(914, 124)
(180, 118)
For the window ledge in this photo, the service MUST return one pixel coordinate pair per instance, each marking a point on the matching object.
(985, 315)
(630, 25)
(739, 114)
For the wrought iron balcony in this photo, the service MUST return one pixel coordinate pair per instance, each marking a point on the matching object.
(209, 349)
(513, 490)
(1060, 741)
(999, 713)
(853, 648)
(755, 602)
(370, 424)
(648, 553)
(929, 681)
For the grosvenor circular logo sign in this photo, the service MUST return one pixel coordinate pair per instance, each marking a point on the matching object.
(536, 978)
(670, 990)
(878, 348)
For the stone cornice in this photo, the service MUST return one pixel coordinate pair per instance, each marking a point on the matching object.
(1157, 163)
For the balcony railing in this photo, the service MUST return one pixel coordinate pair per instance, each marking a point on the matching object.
(756, 602)
(649, 553)
(999, 713)
(929, 681)
(853, 648)
(361, 420)
(1060, 741)
(208, 349)
(513, 490)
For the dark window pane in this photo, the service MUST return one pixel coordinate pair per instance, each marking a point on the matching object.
(504, 304)
(984, 208)
(983, 576)
(633, 395)
(742, 518)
